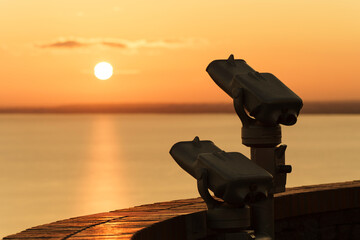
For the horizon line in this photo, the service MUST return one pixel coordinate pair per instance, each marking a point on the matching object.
(326, 107)
(161, 103)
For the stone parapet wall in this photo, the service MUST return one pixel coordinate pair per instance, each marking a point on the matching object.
(324, 212)
(342, 224)
(317, 198)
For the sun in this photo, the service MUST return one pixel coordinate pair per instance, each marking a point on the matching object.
(103, 70)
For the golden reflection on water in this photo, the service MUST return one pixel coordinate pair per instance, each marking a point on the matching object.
(104, 175)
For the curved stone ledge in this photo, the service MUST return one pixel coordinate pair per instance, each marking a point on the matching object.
(324, 211)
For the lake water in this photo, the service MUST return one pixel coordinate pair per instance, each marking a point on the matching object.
(60, 166)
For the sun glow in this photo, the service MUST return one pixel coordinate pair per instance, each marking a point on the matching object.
(103, 70)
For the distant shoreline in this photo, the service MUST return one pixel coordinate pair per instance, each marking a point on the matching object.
(345, 107)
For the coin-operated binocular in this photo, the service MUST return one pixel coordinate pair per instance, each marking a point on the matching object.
(264, 96)
(244, 208)
(232, 177)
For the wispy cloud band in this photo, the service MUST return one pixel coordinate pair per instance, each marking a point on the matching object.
(71, 43)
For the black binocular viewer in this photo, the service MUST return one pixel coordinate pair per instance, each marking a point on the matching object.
(265, 97)
(245, 186)
(231, 176)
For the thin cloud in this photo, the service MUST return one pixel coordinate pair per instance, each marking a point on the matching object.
(72, 43)
(114, 44)
(64, 44)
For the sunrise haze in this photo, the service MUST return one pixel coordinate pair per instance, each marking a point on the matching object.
(160, 49)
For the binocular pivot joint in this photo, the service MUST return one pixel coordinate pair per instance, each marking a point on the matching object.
(203, 188)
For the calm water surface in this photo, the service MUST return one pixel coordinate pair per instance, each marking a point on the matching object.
(60, 166)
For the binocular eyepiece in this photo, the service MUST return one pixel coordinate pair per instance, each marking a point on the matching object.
(263, 95)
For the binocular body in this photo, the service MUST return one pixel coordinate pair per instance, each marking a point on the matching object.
(266, 98)
(230, 175)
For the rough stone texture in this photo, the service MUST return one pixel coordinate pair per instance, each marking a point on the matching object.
(328, 211)
(118, 224)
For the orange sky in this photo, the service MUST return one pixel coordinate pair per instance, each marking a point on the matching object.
(160, 49)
